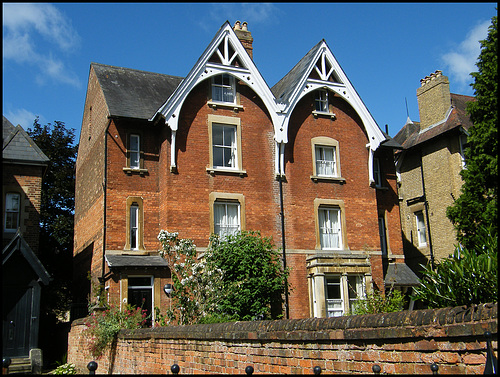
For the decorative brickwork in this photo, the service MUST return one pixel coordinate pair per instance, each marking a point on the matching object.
(403, 343)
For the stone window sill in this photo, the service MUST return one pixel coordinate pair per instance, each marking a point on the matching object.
(214, 171)
(130, 171)
(317, 178)
(226, 105)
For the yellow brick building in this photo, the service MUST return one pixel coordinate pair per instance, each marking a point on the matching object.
(428, 169)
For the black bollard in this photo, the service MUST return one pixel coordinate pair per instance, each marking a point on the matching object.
(434, 368)
(249, 370)
(92, 367)
(175, 369)
(491, 361)
(376, 369)
(317, 370)
(6, 363)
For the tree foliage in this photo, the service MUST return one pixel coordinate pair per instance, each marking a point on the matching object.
(477, 204)
(469, 276)
(57, 210)
(253, 276)
(239, 277)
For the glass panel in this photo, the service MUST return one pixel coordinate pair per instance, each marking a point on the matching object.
(134, 212)
(334, 306)
(224, 146)
(325, 161)
(226, 219)
(329, 228)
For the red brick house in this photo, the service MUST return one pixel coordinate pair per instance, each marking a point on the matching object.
(23, 275)
(219, 151)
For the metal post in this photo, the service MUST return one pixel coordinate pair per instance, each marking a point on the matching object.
(491, 361)
(434, 368)
(92, 367)
(317, 370)
(249, 370)
(376, 369)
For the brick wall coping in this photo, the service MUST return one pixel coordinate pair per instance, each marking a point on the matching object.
(445, 322)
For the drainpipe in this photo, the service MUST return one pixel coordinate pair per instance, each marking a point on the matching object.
(282, 214)
(426, 205)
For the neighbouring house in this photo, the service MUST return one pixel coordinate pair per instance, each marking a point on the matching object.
(23, 167)
(428, 169)
(218, 151)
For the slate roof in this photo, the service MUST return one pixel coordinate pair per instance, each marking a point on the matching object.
(285, 87)
(120, 261)
(410, 135)
(19, 147)
(399, 274)
(131, 93)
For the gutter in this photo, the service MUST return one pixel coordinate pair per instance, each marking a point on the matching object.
(102, 279)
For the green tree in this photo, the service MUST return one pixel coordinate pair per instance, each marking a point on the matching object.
(477, 204)
(57, 211)
(253, 276)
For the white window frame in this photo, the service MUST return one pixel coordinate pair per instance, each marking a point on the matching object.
(328, 227)
(334, 312)
(462, 141)
(326, 142)
(151, 286)
(345, 303)
(9, 210)
(224, 88)
(421, 234)
(359, 289)
(321, 101)
(221, 227)
(134, 152)
(236, 149)
(231, 148)
(134, 226)
(320, 149)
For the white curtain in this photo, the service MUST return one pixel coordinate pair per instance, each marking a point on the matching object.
(227, 219)
(325, 161)
(329, 228)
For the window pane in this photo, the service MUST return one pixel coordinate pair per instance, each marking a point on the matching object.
(134, 217)
(134, 151)
(329, 228)
(223, 88)
(12, 206)
(226, 218)
(134, 142)
(224, 146)
(325, 161)
(334, 305)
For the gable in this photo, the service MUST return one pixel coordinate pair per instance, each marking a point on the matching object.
(19, 147)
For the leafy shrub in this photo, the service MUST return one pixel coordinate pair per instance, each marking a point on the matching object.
(375, 302)
(469, 276)
(253, 279)
(103, 327)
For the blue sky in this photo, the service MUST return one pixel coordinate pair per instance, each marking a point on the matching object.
(384, 49)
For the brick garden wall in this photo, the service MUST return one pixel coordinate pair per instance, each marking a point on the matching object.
(404, 342)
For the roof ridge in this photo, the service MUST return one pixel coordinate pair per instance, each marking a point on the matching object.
(133, 69)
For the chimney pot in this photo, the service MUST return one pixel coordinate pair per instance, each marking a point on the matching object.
(244, 26)
(237, 25)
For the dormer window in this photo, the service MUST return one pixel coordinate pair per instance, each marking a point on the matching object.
(135, 152)
(223, 88)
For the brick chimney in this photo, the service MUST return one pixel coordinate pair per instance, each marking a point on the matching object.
(245, 37)
(434, 99)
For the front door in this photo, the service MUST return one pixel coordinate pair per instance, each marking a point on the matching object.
(17, 320)
(140, 294)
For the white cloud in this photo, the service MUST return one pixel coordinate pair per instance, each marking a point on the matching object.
(462, 61)
(25, 25)
(21, 116)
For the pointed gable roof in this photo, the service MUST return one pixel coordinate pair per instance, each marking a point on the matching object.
(18, 244)
(316, 70)
(224, 54)
(132, 93)
(18, 147)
